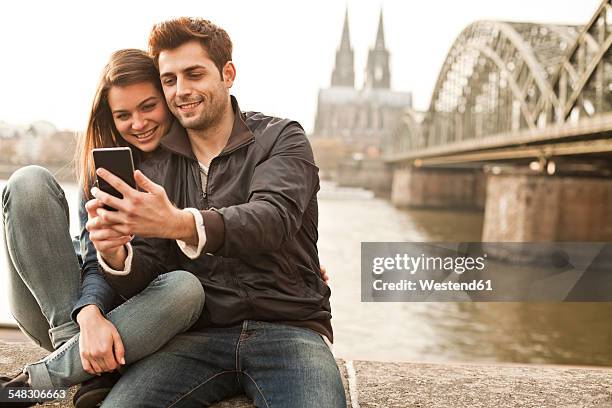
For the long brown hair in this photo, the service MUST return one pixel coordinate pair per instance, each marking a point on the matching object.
(125, 67)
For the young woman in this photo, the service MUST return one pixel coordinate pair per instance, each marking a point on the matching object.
(66, 306)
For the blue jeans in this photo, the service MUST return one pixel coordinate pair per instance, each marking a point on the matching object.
(273, 364)
(44, 278)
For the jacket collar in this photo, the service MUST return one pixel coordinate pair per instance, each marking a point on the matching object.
(177, 140)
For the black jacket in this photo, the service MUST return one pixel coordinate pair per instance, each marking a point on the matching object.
(260, 261)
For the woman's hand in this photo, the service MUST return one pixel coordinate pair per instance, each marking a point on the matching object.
(109, 243)
(100, 345)
(324, 275)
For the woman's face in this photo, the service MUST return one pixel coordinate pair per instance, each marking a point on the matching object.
(140, 114)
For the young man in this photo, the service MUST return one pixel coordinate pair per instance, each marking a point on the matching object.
(247, 185)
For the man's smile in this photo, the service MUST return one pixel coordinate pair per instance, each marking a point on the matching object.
(188, 106)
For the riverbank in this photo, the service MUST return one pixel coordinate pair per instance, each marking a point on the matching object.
(64, 173)
(370, 384)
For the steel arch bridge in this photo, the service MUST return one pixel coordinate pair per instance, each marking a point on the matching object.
(514, 90)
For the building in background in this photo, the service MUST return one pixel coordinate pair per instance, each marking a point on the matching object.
(40, 143)
(357, 119)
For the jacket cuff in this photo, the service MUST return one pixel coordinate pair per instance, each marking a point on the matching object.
(127, 265)
(193, 251)
(215, 231)
(86, 302)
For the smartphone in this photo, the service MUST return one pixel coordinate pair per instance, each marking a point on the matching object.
(119, 161)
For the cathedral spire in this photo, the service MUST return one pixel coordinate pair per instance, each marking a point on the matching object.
(344, 73)
(345, 42)
(378, 74)
(380, 34)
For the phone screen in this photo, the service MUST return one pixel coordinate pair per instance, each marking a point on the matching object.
(117, 160)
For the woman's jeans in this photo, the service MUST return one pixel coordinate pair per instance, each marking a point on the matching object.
(44, 285)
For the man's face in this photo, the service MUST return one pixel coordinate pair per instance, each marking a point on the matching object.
(196, 92)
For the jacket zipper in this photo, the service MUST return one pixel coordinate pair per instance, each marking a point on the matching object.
(205, 201)
(196, 172)
(242, 290)
(207, 192)
(203, 194)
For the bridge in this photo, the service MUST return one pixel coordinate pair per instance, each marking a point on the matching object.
(519, 125)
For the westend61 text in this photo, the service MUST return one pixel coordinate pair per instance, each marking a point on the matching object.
(429, 285)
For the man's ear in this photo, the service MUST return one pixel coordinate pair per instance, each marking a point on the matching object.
(229, 74)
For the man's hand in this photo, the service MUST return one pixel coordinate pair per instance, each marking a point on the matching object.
(108, 242)
(100, 345)
(147, 213)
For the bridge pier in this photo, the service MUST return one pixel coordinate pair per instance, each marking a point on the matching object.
(519, 205)
(523, 207)
(438, 188)
(371, 174)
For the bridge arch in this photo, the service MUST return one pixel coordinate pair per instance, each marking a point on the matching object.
(583, 81)
(494, 80)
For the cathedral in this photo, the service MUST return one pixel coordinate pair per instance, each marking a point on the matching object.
(360, 117)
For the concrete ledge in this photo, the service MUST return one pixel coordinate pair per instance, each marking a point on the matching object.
(375, 384)
(464, 385)
(15, 355)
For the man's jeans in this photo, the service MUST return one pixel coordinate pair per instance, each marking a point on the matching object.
(44, 279)
(275, 365)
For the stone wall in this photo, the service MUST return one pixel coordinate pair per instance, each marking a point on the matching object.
(370, 384)
(530, 208)
(438, 188)
(371, 174)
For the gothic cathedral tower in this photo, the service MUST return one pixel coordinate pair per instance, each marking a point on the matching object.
(377, 71)
(344, 73)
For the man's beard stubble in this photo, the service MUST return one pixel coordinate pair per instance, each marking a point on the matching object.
(211, 114)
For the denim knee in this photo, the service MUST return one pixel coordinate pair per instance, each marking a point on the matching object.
(30, 187)
(185, 290)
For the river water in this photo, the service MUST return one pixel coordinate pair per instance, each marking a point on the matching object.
(564, 333)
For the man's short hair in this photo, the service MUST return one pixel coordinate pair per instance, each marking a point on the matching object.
(171, 34)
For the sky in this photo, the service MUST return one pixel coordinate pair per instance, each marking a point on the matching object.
(52, 52)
